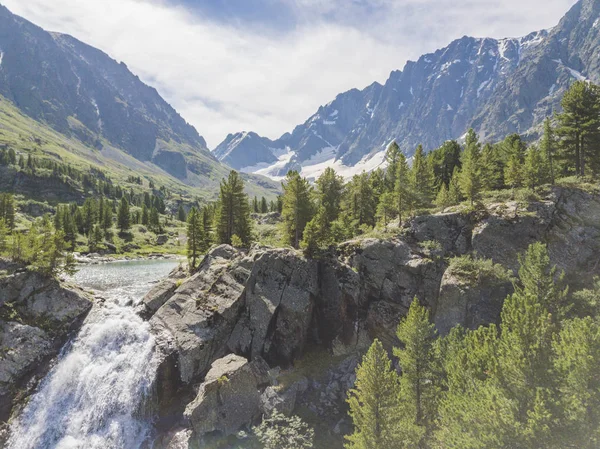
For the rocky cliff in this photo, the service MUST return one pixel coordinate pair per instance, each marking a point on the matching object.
(265, 312)
(36, 316)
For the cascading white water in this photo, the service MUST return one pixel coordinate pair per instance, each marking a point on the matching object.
(92, 397)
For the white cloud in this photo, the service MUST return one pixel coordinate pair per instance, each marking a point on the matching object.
(224, 79)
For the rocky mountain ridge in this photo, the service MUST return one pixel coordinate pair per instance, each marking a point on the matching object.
(253, 316)
(95, 102)
(496, 86)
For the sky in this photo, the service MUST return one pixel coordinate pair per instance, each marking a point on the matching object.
(267, 65)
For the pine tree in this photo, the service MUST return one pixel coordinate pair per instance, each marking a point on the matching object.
(3, 236)
(316, 233)
(181, 216)
(329, 192)
(454, 193)
(7, 210)
(443, 198)
(548, 146)
(195, 237)
(154, 220)
(123, 217)
(297, 207)
(392, 157)
(470, 174)
(577, 349)
(145, 215)
(264, 207)
(386, 209)
(233, 213)
(492, 168)
(534, 168)
(444, 160)
(419, 387)
(374, 403)
(107, 220)
(403, 189)
(422, 179)
(514, 173)
(578, 126)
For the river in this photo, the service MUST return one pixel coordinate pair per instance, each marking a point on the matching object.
(92, 396)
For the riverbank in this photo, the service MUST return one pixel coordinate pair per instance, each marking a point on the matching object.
(96, 259)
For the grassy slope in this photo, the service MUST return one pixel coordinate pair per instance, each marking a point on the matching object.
(27, 135)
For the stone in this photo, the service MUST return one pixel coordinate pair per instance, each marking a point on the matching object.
(229, 397)
(470, 302)
(162, 239)
(281, 401)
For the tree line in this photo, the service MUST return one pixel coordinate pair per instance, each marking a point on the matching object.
(533, 381)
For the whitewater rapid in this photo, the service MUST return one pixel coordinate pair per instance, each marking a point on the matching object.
(94, 396)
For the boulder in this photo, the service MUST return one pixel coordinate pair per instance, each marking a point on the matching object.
(162, 239)
(203, 312)
(470, 301)
(161, 292)
(229, 397)
(273, 399)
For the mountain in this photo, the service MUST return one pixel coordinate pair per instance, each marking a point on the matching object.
(83, 94)
(497, 86)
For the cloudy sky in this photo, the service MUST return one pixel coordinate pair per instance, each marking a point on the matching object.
(267, 65)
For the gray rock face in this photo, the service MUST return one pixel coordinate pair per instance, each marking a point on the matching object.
(272, 304)
(469, 302)
(229, 397)
(36, 315)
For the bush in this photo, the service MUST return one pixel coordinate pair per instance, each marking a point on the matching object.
(280, 432)
(475, 269)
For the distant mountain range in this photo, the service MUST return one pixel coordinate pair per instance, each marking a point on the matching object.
(84, 94)
(496, 86)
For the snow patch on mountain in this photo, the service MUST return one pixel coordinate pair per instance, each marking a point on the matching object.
(316, 165)
(284, 156)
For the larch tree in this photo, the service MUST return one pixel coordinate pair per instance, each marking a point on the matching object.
(419, 385)
(578, 126)
(422, 178)
(233, 212)
(374, 403)
(123, 216)
(195, 237)
(297, 208)
(470, 174)
(403, 190)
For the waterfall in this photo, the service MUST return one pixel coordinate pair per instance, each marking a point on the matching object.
(92, 397)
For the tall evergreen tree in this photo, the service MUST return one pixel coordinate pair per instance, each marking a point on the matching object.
(233, 213)
(329, 192)
(422, 179)
(123, 216)
(403, 189)
(548, 146)
(419, 386)
(297, 207)
(374, 403)
(181, 215)
(392, 157)
(195, 237)
(470, 174)
(578, 126)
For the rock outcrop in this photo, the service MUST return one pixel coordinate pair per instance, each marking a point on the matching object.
(276, 304)
(229, 397)
(36, 316)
